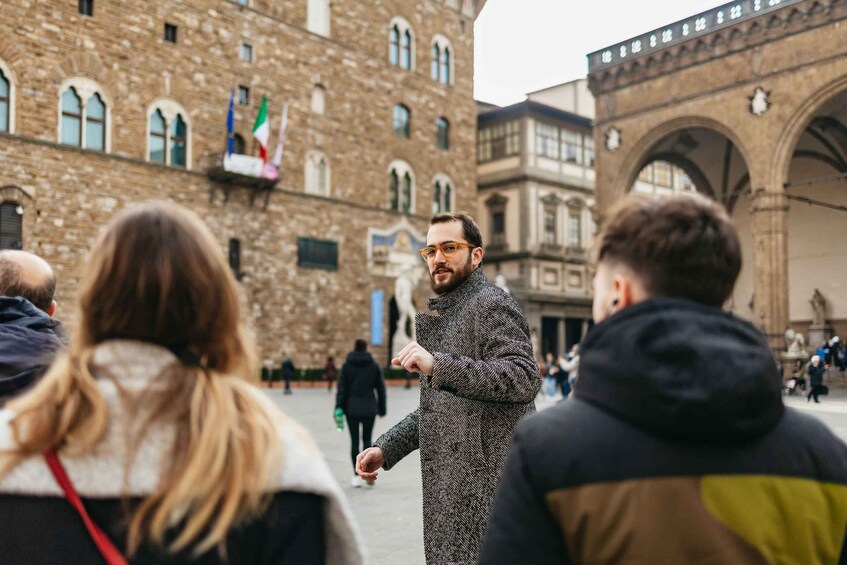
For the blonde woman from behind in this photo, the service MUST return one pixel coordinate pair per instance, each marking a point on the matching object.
(176, 456)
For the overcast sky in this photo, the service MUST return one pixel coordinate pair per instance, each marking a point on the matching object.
(526, 45)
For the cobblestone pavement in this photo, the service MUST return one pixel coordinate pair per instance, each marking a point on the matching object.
(389, 514)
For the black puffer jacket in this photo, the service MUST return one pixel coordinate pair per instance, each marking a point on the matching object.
(361, 388)
(29, 339)
(676, 449)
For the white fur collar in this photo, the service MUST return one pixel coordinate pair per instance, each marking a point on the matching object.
(101, 474)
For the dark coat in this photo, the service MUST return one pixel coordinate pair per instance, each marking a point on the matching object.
(360, 378)
(287, 369)
(815, 374)
(483, 382)
(676, 448)
(29, 339)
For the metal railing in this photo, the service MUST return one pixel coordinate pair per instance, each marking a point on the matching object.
(721, 17)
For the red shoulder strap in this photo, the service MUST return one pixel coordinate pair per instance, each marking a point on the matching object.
(101, 540)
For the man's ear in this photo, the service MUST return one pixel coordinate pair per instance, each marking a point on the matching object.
(51, 310)
(476, 256)
(623, 291)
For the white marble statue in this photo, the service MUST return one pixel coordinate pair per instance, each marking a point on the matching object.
(795, 342)
(500, 281)
(403, 287)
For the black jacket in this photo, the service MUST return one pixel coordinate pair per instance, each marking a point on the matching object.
(360, 378)
(816, 374)
(676, 449)
(29, 339)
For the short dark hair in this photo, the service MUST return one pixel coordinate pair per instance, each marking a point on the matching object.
(469, 227)
(681, 246)
(12, 284)
(360, 345)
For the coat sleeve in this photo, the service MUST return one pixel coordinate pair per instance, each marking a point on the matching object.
(380, 391)
(521, 528)
(341, 393)
(506, 373)
(400, 440)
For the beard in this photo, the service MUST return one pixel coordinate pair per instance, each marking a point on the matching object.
(457, 277)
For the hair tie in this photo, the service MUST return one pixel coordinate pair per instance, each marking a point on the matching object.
(186, 357)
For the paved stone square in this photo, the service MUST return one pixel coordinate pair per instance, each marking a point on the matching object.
(389, 514)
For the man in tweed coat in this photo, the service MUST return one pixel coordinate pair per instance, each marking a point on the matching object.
(478, 379)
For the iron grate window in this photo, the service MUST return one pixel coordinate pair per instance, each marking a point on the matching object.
(11, 224)
(86, 7)
(170, 33)
(317, 253)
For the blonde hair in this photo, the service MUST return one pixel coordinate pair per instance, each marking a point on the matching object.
(157, 275)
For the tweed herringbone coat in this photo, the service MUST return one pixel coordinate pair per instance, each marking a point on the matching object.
(483, 382)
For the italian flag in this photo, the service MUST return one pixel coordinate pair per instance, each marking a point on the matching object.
(261, 129)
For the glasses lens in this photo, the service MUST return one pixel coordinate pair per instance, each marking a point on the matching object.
(449, 249)
(428, 252)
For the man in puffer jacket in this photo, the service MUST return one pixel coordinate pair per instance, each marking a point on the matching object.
(29, 336)
(676, 447)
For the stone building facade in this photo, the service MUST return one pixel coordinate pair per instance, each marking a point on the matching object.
(106, 104)
(536, 207)
(750, 100)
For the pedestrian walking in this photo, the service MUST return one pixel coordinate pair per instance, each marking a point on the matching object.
(287, 370)
(478, 379)
(551, 371)
(676, 446)
(361, 395)
(815, 371)
(150, 419)
(329, 373)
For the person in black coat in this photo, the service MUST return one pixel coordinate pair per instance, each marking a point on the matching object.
(360, 378)
(287, 373)
(815, 371)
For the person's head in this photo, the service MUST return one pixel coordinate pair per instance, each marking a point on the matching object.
(330, 359)
(157, 275)
(816, 360)
(360, 345)
(453, 250)
(682, 246)
(549, 357)
(28, 276)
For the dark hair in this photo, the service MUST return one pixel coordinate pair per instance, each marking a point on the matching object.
(360, 345)
(12, 284)
(469, 227)
(681, 246)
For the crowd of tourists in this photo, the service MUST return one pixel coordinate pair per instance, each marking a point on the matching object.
(140, 438)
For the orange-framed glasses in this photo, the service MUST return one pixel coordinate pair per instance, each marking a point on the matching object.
(448, 249)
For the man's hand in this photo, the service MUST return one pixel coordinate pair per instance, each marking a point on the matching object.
(415, 359)
(369, 462)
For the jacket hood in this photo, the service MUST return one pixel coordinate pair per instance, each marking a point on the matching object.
(682, 370)
(28, 340)
(360, 358)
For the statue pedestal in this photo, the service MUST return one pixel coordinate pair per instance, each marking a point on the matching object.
(818, 333)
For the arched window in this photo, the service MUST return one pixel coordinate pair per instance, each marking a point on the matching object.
(178, 142)
(71, 118)
(442, 133)
(11, 226)
(317, 20)
(394, 45)
(393, 190)
(316, 174)
(318, 99)
(442, 194)
(401, 187)
(401, 121)
(406, 50)
(5, 103)
(95, 124)
(436, 198)
(401, 44)
(238, 145)
(407, 192)
(168, 140)
(157, 137)
(84, 114)
(442, 60)
(436, 60)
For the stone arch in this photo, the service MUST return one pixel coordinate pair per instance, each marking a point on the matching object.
(692, 169)
(639, 154)
(14, 193)
(89, 65)
(795, 126)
